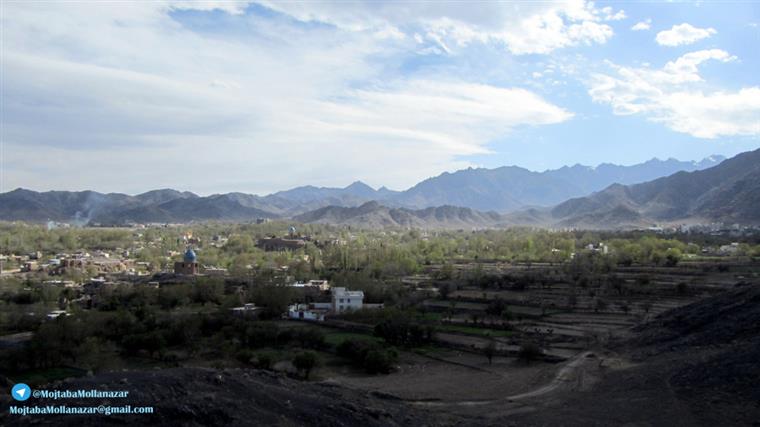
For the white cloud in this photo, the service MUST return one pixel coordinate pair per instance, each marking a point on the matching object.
(236, 7)
(103, 87)
(611, 15)
(524, 28)
(643, 25)
(683, 34)
(677, 97)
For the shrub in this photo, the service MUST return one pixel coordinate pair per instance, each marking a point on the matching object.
(529, 352)
(305, 362)
(371, 356)
(380, 361)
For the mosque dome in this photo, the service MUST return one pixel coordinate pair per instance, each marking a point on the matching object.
(190, 255)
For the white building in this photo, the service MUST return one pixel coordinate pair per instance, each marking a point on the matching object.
(248, 309)
(314, 311)
(56, 314)
(322, 285)
(344, 300)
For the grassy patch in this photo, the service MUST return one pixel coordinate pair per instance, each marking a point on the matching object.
(335, 338)
(432, 316)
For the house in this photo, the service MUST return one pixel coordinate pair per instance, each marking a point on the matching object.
(314, 311)
(247, 310)
(56, 313)
(211, 270)
(345, 300)
(731, 249)
(342, 301)
(322, 285)
(29, 266)
(602, 248)
(274, 244)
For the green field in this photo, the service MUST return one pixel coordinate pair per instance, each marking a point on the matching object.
(334, 338)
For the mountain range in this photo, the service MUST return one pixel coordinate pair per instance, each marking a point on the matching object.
(661, 191)
(729, 192)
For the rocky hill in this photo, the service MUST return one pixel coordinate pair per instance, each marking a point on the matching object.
(375, 215)
(692, 366)
(729, 192)
(510, 188)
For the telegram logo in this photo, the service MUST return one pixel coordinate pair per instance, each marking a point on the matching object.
(21, 392)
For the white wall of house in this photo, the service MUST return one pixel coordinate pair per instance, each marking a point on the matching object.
(345, 300)
(304, 312)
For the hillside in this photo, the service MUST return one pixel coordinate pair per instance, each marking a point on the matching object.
(510, 188)
(84, 207)
(729, 192)
(375, 215)
(206, 397)
(691, 366)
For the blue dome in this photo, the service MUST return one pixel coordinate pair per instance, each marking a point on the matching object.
(190, 255)
(292, 230)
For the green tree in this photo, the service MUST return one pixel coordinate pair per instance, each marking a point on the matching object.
(490, 351)
(305, 362)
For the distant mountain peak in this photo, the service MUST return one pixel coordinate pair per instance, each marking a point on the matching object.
(358, 185)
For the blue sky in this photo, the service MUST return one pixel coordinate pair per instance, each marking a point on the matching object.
(261, 96)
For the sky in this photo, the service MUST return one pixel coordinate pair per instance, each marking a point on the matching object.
(261, 96)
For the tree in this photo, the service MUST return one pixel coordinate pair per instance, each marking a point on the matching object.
(380, 361)
(490, 351)
(529, 352)
(672, 256)
(310, 338)
(305, 362)
(447, 272)
(682, 288)
(624, 307)
(443, 290)
(600, 305)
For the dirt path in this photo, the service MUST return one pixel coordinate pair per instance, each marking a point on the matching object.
(571, 376)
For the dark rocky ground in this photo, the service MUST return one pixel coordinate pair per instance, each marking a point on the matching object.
(698, 365)
(208, 397)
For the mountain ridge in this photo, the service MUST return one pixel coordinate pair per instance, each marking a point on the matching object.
(466, 198)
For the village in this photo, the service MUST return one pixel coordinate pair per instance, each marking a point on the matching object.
(442, 303)
(83, 272)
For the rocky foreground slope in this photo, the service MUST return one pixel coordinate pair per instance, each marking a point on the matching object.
(697, 365)
(208, 397)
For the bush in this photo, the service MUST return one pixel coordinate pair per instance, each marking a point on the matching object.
(682, 288)
(372, 357)
(244, 356)
(529, 352)
(310, 338)
(380, 361)
(264, 361)
(305, 362)
(402, 331)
